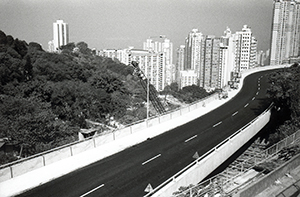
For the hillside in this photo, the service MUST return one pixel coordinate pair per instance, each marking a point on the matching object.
(46, 98)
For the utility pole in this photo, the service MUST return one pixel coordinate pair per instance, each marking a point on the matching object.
(148, 98)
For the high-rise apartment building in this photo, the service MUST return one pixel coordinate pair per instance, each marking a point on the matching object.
(179, 62)
(189, 59)
(60, 35)
(285, 41)
(245, 43)
(224, 69)
(180, 57)
(261, 57)
(163, 46)
(187, 78)
(153, 64)
(231, 42)
(211, 65)
(192, 50)
(253, 53)
(243, 49)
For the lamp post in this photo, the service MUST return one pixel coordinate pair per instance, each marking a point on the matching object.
(147, 98)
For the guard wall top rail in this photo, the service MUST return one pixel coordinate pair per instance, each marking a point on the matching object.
(111, 131)
(206, 154)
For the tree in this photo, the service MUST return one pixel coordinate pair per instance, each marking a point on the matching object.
(285, 93)
(35, 46)
(20, 46)
(28, 122)
(3, 39)
(192, 93)
(83, 48)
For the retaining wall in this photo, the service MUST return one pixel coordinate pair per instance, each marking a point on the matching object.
(214, 158)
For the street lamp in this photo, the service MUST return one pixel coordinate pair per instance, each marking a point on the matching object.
(147, 99)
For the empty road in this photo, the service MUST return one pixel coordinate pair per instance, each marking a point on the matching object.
(127, 173)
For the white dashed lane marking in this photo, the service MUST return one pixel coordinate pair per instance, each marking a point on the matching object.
(151, 159)
(190, 138)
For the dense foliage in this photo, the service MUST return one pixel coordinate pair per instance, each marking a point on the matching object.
(187, 94)
(285, 92)
(45, 98)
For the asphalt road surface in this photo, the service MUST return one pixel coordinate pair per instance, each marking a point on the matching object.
(128, 173)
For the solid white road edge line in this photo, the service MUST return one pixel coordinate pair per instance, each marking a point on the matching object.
(92, 190)
(151, 159)
(190, 138)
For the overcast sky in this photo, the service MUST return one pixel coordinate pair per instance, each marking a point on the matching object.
(117, 24)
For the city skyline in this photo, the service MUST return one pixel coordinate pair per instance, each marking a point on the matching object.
(119, 24)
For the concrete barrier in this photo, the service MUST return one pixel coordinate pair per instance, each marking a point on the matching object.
(83, 146)
(194, 173)
(175, 114)
(153, 121)
(164, 118)
(184, 110)
(103, 139)
(138, 127)
(122, 133)
(5, 174)
(57, 155)
(193, 106)
(27, 165)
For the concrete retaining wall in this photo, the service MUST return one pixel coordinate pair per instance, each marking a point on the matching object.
(57, 155)
(219, 155)
(138, 127)
(184, 110)
(103, 139)
(28, 165)
(122, 133)
(193, 107)
(83, 146)
(153, 121)
(175, 114)
(5, 174)
(164, 118)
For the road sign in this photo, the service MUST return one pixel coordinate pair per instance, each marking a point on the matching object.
(148, 188)
(196, 155)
